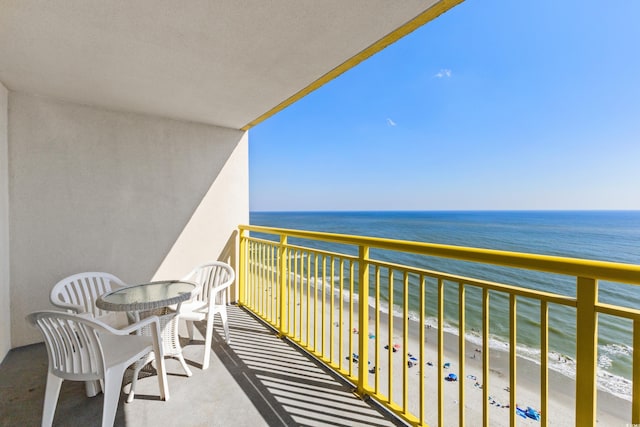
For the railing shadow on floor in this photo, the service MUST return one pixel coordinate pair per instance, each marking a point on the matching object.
(287, 386)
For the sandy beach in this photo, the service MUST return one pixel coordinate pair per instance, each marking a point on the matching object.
(612, 410)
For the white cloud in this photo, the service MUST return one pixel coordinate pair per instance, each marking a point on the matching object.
(390, 122)
(445, 72)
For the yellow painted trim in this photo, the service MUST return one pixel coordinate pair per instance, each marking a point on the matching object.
(428, 15)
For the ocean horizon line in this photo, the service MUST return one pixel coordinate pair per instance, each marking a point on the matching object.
(440, 210)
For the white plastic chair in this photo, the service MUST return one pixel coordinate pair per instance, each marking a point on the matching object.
(214, 278)
(82, 349)
(78, 294)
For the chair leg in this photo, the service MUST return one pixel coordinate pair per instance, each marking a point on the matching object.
(207, 341)
(112, 382)
(136, 371)
(184, 364)
(190, 329)
(92, 388)
(225, 325)
(50, 399)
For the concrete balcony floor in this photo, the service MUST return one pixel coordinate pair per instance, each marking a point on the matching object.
(257, 380)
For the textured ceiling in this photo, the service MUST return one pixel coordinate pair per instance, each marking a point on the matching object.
(222, 62)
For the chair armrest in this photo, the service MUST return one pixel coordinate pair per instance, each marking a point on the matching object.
(213, 296)
(135, 326)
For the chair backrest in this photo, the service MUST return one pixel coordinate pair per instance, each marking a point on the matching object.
(212, 277)
(80, 291)
(74, 350)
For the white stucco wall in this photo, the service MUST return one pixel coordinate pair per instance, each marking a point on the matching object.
(5, 301)
(138, 196)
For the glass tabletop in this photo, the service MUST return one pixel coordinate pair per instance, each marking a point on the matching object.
(147, 296)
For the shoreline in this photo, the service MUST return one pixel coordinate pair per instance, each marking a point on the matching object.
(611, 409)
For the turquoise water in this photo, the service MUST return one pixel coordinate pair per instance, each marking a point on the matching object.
(599, 235)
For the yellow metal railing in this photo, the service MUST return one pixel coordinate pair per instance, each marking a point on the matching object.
(324, 299)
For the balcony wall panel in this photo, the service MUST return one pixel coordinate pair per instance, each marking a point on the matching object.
(99, 190)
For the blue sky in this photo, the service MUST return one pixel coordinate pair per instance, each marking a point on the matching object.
(494, 105)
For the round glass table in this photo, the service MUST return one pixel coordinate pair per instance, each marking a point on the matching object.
(152, 299)
(147, 296)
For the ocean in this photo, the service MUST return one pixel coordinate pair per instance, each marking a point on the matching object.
(596, 235)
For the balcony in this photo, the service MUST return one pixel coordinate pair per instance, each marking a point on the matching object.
(301, 355)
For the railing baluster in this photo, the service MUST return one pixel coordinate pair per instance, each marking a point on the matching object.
(340, 313)
(290, 307)
(332, 308)
(300, 294)
(390, 343)
(262, 284)
(267, 283)
(405, 343)
(275, 286)
(513, 321)
(297, 294)
(421, 355)
(635, 392)
(461, 352)
(363, 319)
(440, 352)
(314, 348)
(308, 323)
(351, 291)
(251, 276)
(260, 264)
(242, 268)
(485, 357)
(282, 258)
(324, 303)
(544, 363)
(376, 363)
